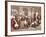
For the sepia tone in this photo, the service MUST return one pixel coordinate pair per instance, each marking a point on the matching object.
(25, 18)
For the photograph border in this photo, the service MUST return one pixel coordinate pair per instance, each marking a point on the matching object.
(6, 3)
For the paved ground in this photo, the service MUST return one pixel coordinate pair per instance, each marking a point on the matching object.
(28, 29)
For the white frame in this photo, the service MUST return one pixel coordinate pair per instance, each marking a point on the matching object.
(24, 32)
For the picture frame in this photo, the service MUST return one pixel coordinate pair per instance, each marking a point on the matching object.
(11, 6)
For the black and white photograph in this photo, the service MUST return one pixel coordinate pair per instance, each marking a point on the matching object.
(25, 18)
